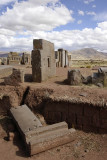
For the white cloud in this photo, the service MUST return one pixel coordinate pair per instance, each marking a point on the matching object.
(88, 1)
(101, 16)
(68, 39)
(34, 18)
(91, 13)
(30, 15)
(7, 32)
(76, 39)
(81, 12)
(103, 25)
(79, 21)
(4, 2)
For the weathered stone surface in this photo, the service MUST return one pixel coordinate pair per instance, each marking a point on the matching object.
(43, 60)
(100, 85)
(15, 78)
(13, 58)
(37, 138)
(47, 141)
(24, 119)
(74, 77)
(47, 129)
(100, 77)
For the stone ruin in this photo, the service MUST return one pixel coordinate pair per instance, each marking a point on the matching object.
(15, 78)
(98, 78)
(43, 60)
(13, 58)
(26, 59)
(39, 138)
(74, 77)
(61, 58)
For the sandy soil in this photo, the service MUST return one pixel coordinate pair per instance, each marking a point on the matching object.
(87, 145)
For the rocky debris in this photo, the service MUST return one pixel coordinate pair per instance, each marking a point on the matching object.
(74, 77)
(89, 80)
(15, 78)
(100, 85)
(98, 78)
(83, 94)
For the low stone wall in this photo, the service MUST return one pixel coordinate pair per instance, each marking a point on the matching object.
(80, 116)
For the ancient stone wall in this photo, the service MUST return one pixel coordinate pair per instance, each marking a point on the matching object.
(80, 116)
(43, 60)
(61, 58)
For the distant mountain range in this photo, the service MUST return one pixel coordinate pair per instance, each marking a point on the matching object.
(87, 54)
(3, 54)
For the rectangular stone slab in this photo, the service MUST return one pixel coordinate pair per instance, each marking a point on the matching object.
(46, 129)
(36, 137)
(45, 142)
(25, 119)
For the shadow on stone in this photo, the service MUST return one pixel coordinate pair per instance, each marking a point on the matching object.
(28, 78)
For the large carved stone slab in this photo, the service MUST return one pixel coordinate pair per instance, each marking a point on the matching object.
(25, 119)
(36, 137)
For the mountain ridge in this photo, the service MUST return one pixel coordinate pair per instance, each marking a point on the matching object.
(88, 54)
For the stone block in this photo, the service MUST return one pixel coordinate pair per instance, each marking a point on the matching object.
(47, 141)
(74, 77)
(36, 137)
(24, 119)
(47, 129)
(15, 78)
(43, 60)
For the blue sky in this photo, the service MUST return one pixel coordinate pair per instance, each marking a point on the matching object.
(69, 24)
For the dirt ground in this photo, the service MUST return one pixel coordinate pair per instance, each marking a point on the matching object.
(87, 146)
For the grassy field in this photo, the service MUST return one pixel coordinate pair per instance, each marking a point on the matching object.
(88, 63)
